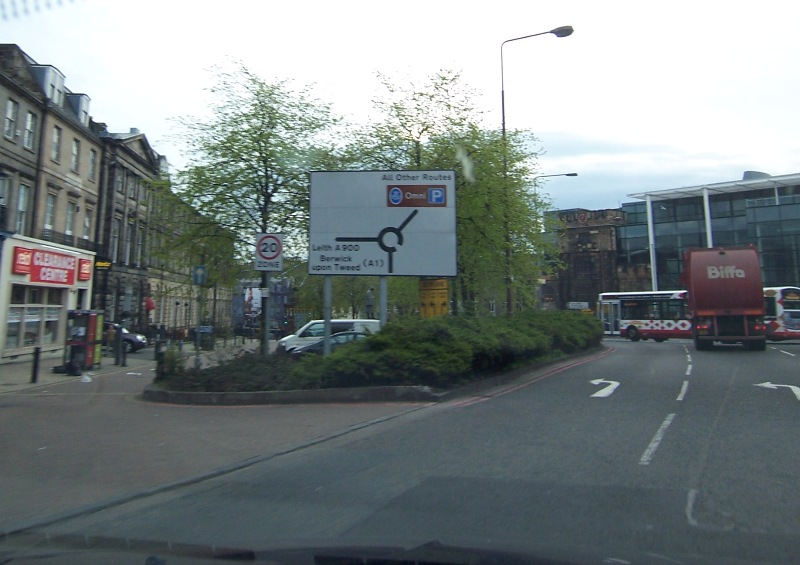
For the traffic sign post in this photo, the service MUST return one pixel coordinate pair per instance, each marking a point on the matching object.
(268, 258)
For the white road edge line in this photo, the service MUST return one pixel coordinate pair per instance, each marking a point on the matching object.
(683, 391)
(647, 456)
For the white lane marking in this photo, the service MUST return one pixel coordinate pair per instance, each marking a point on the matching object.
(647, 456)
(683, 391)
(787, 353)
(690, 498)
(688, 370)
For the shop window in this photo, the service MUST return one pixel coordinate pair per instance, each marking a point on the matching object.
(35, 295)
(17, 294)
(33, 326)
(34, 318)
(12, 332)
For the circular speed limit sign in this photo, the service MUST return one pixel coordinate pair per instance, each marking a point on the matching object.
(269, 252)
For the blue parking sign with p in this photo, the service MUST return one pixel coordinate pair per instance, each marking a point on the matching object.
(436, 196)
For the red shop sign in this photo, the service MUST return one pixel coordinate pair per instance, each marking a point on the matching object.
(23, 259)
(53, 268)
(84, 269)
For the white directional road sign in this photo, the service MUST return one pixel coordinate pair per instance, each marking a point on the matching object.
(269, 252)
(383, 223)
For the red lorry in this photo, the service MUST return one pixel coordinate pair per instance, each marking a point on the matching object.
(726, 296)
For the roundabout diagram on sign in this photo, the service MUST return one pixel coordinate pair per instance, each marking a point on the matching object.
(382, 241)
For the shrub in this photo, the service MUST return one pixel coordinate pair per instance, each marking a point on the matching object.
(439, 352)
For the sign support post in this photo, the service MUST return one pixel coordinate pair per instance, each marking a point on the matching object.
(268, 258)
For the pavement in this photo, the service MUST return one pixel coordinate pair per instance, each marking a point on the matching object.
(22, 375)
(75, 444)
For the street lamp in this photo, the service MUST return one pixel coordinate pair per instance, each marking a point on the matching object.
(557, 175)
(562, 31)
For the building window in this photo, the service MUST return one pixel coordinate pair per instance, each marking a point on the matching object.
(115, 229)
(128, 244)
(92, 164)
(22, 208)
(139, 246)
(50, 212)
(87, 224)
(75, 162)
(3, 201)
(119, 180)
(133, 187)
(30, 131)
(55, 145)
(69, 225)
(12, 111)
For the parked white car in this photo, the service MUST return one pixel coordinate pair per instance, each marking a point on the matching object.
(315, 330)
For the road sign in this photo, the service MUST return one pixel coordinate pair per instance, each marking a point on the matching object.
(383, 223)
(269, 252)
(199, 274)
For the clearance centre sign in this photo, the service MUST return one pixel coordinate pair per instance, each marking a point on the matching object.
(383, 223)
(44, 266)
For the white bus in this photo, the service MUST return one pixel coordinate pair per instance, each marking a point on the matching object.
(658, 315)
(782, 312)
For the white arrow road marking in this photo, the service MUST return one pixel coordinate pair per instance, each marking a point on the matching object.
(606, 391)
(795, 389)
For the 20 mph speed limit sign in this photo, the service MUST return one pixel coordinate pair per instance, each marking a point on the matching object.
(269, 252)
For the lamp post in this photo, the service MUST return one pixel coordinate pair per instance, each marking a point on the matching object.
(556, 175)
(562, 31)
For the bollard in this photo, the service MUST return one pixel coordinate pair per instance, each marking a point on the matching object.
(35, 372)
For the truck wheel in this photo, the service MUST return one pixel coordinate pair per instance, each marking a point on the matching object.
(755, 345)
(700, 345)
(633, 333)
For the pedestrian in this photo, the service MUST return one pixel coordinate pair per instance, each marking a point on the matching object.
(370, 303)
(111, 336)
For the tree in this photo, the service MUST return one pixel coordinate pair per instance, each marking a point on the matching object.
(249, 161)
(435, 125)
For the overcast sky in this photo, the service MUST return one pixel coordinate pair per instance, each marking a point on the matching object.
(643, 96)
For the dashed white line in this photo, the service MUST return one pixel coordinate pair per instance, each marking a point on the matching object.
(683, 391)
(647, 456)
(688, 370)
(692, 496)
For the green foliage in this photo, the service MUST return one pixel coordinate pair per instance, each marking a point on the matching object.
(174, 362)
(247, 373)
(440, 353)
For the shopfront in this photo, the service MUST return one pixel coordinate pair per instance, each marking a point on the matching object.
(40, 283)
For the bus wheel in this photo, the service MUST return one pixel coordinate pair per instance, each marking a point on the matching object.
(633, 333)
(659, 340)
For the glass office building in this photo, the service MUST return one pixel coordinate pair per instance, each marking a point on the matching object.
(761, 210)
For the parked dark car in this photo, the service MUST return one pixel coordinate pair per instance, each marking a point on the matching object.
(133, 341)
(337, 340)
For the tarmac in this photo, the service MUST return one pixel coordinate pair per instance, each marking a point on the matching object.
(76, 444)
